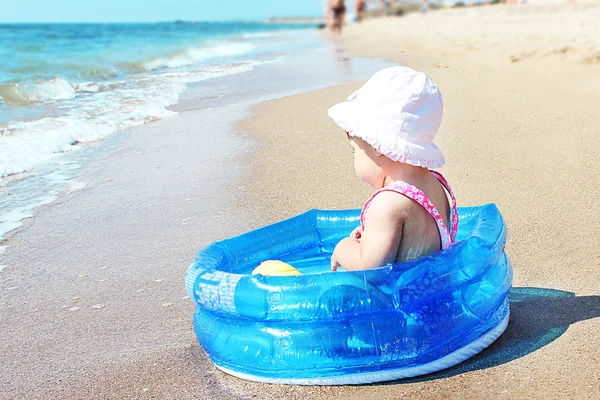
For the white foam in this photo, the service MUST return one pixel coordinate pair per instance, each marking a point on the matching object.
(13, 219)
(34, 190)
(101, 112)
(194, 55)
(258, 35)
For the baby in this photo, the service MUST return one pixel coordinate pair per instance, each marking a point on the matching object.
(391, 122)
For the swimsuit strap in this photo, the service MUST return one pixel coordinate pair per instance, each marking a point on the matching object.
(416, 194)
(453, 212)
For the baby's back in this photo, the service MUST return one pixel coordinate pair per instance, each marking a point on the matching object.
(420, 234)
(420, 231)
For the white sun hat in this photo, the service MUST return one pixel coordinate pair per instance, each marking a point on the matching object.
(398, 112)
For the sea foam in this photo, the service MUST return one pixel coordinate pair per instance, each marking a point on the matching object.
(99, 110)
(194, 55)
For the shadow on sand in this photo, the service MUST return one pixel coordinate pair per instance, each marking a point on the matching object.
(537, 317)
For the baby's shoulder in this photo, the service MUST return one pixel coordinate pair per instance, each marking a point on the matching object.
(390, 203)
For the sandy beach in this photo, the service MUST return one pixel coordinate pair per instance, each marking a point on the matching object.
(94, 304)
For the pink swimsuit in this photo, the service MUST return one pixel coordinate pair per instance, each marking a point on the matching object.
(416, 194)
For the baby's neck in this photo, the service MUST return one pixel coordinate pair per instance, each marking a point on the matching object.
(405, 172)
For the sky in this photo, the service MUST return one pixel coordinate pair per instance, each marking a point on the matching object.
(152, 10)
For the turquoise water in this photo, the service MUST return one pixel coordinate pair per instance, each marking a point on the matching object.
(62, 85)
(80, 52)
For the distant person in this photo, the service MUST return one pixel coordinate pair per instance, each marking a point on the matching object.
(361, 7)
(336, 11)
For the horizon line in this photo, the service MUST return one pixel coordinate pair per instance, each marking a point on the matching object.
(189, 21)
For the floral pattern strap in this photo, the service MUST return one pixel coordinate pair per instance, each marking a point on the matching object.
(414, 193)
(454, 216)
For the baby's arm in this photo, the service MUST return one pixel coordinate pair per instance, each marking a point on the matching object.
(380, 239)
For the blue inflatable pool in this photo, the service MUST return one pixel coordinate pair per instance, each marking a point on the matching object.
(331, 328)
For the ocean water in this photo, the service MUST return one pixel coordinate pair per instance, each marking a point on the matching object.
(64, 88)
(62, 85)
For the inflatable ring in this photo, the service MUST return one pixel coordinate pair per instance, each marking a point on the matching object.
(330, 328)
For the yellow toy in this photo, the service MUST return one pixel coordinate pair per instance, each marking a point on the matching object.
(275, 268)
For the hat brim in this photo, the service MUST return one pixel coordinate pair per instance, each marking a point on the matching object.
(349, 116)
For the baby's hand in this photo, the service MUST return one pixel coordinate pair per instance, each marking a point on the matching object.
(356, 233)
(334, 264)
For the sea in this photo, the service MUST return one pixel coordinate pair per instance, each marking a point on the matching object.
(64, 87)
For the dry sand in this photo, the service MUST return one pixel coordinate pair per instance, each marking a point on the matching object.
(520, 134)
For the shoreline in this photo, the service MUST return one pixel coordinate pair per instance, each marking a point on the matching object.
(274, 78)
(93, 284)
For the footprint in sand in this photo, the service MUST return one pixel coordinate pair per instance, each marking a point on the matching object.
(561, 51)
(522, 56)
(593, 58)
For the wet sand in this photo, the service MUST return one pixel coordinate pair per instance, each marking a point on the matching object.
(95, 308)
